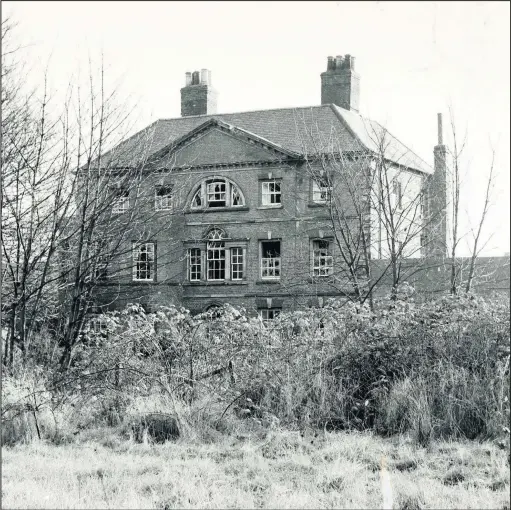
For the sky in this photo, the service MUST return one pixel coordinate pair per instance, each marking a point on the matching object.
(415, 59)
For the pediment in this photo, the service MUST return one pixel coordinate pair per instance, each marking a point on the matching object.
(215, 143)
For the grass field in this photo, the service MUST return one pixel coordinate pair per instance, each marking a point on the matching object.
(283, 471)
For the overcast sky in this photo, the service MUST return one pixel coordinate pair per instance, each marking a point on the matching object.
(414, 58)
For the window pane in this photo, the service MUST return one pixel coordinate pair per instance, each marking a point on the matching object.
(121, 201)
(216, 193)
(270, 193)
(216, 260)
(163, 198)
(270, 259)
(321, 190)
(268, 314)
(236, 263)
(322, 258)
(195, 264)
(143, 261)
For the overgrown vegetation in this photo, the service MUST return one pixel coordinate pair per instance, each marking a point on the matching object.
(435, 370)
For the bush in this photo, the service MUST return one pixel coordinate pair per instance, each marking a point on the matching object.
(437, 369)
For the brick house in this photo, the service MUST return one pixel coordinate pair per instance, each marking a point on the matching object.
(235, 207)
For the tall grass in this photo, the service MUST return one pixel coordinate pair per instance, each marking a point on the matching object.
(437, 370)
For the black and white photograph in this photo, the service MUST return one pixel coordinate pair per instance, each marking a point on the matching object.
(255, 255)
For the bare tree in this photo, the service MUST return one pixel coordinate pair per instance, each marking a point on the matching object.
(374, 201)
(457, 264)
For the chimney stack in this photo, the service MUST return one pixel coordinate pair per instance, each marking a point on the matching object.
(198, 97)
(440, 130)
(340, 84)
(437, 212)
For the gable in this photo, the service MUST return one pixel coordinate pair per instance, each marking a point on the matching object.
(218, 144)
(217, 148)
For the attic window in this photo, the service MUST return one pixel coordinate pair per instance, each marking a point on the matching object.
(217, 192)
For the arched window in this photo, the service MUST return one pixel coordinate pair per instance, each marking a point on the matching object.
(217, 257)
(217, 192)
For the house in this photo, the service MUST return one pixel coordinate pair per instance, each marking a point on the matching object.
(259, 208)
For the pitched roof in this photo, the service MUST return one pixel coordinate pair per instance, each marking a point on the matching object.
(303, 130)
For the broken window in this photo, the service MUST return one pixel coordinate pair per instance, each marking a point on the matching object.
(322, 260)
(121, 201)
(270, 259)
(163, 198)
(143, 262)
(217, 193)
(271, 193)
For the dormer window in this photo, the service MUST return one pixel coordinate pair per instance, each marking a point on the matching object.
(217, 192)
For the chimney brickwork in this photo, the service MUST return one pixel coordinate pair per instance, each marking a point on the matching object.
(198, 97)
(437, 218)
(340, 84)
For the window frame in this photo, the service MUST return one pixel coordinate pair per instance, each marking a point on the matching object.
(237, 263)
(121, 202)
(195, 261)
(136, 246)
(201, 263)
(216, 247)
(317, 269)
(267, 311)
(274, 267)
(230, 193)
(318, 189)
(269, 193)
(168, 197)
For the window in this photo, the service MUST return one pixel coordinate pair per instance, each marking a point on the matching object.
(268, 314)
(163, 198)
(236, 263)
(217, 193)
(271, 193)
(397, 191)
(143, 262)
(195, 264)
(121, 201)
(221, 262)
(270, 260)
(216, 260)
(322, 260)
(321, 190)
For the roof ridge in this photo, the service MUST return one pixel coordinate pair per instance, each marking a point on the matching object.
(247, 111)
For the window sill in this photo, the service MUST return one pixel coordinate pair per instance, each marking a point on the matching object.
(215, 283)
(264, 282)
(278, 206)
(217, 209)
(317, 204)
(321, 279)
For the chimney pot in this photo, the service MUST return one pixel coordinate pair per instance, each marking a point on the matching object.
(340, 85)
(198, 100)
(440, 130)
